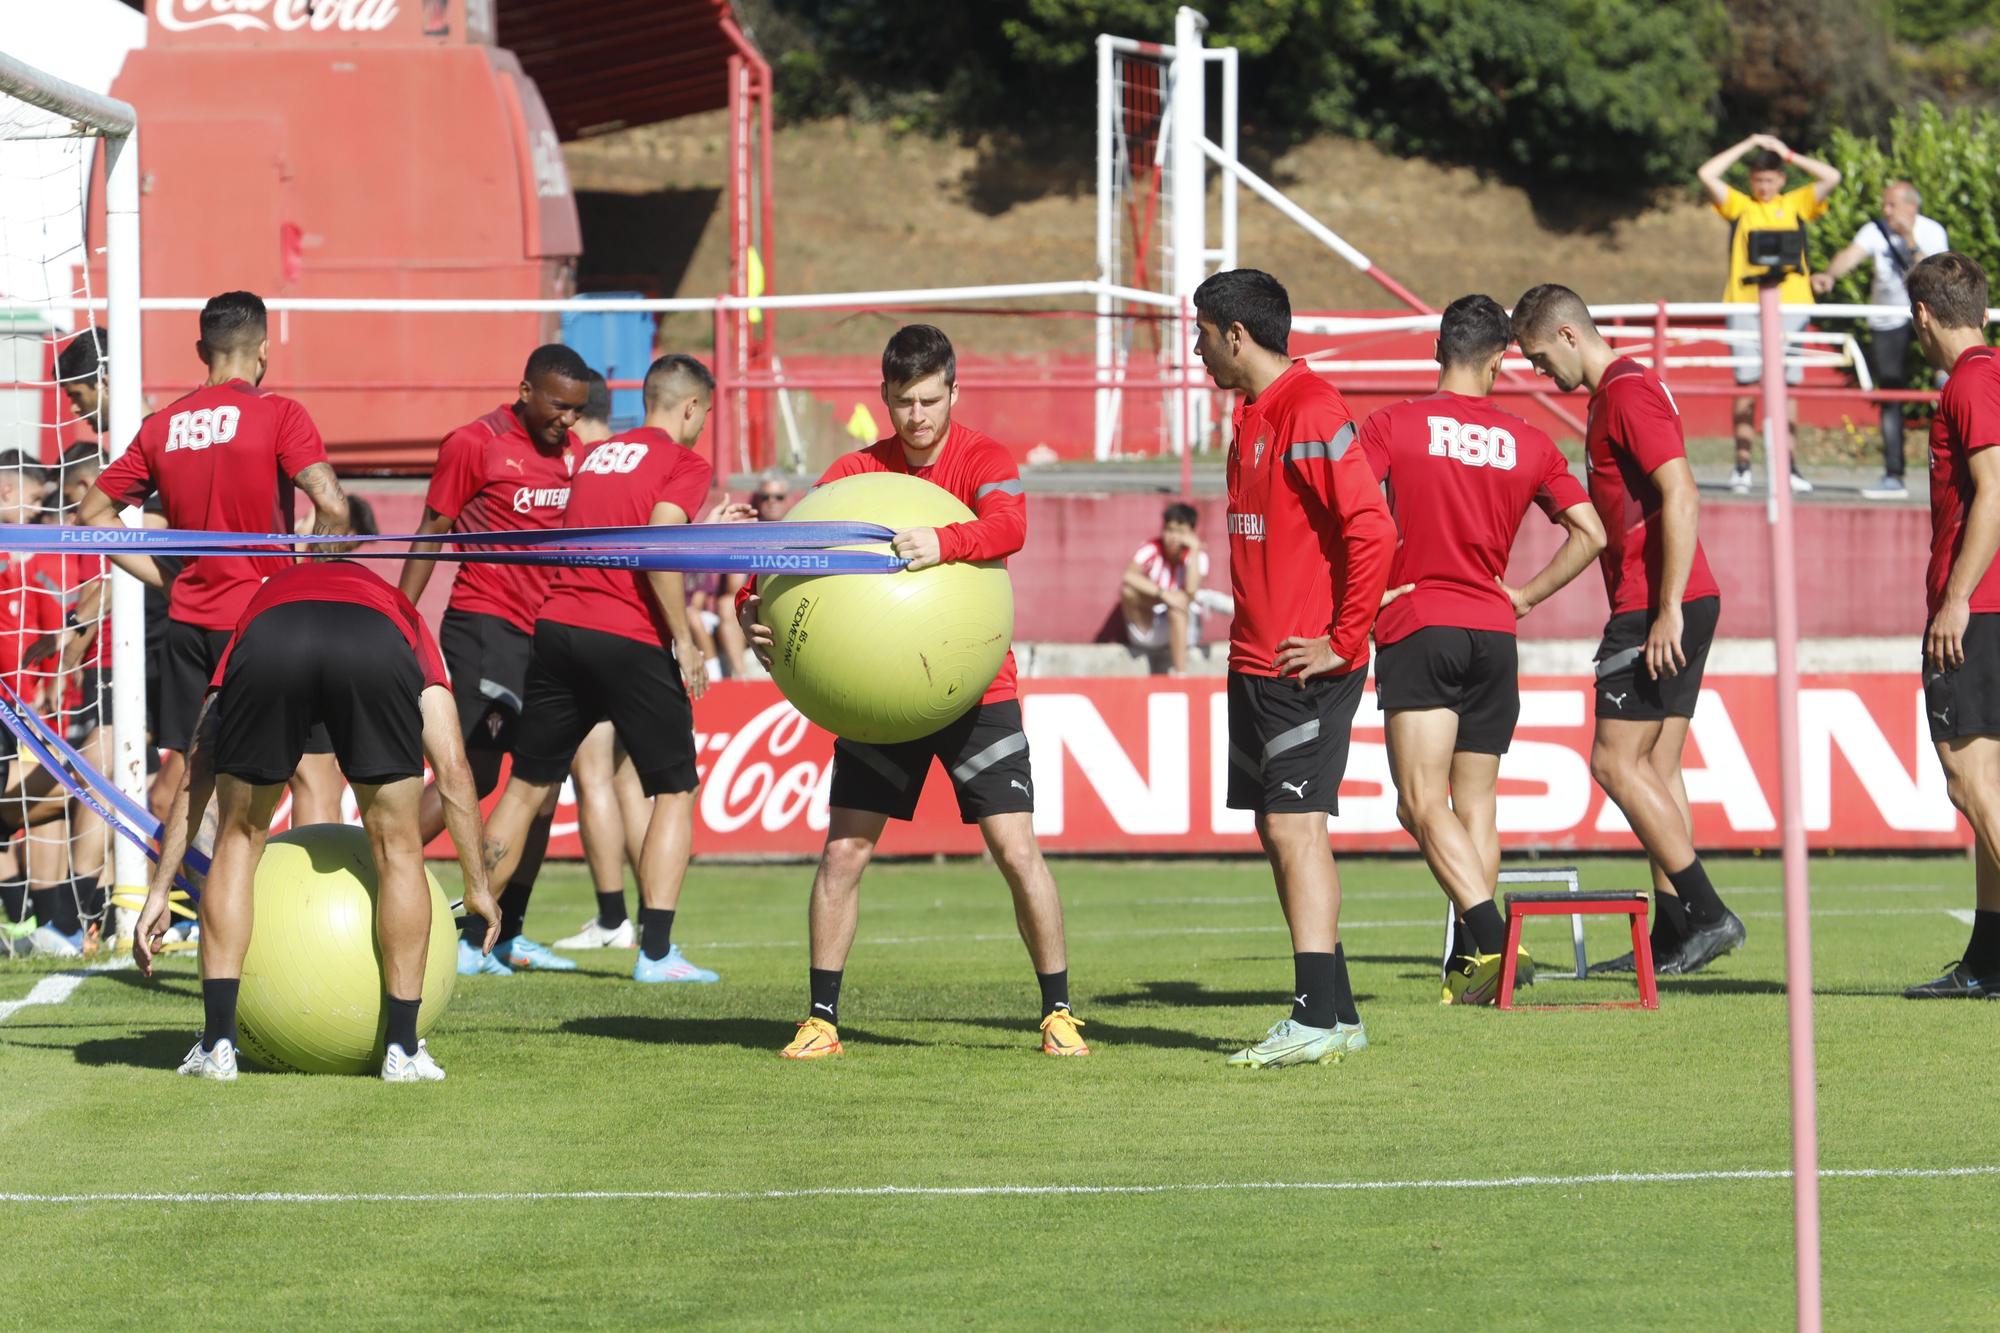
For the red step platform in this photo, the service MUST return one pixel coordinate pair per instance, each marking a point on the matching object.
(1520, 906)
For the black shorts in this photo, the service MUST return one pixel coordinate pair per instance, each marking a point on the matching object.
(985, 753)
(192, 654)
(332, 665)
(1288, 742)
(1473, 672)
(1965, 701)
(487, 658)
(579, 677)
(1626, 692)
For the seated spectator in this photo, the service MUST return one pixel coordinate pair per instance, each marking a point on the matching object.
(1161, 594)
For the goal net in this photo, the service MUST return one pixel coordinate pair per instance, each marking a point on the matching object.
(70, 634)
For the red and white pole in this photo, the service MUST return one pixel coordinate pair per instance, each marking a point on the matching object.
(1798, 926)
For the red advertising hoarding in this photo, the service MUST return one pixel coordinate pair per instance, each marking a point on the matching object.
(1137, 766)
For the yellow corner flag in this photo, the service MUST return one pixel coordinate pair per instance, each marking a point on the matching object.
(756, 267)
(861, 425)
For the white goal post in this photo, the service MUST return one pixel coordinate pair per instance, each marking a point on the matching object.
(47, 108)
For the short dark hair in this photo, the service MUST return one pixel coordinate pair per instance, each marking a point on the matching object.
(1180, 512)
(1766, 160)
(233, 321)
(672, 371)
(83, 355)
(84, 453)
(1252, 298)
(1952, 287)
(1472, 330)
(361, 517)
(597, 403)
(1541, 308)
(558, 360)
(917, 352)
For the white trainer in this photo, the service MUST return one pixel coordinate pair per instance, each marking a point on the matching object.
(595, 935)
(399, 1067)
(218, 1063)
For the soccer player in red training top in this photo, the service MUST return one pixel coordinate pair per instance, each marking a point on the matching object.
(985, 752)
(1664, 605)
(1948, 297)
(614, 643)
(324, 643)
(224, 457)
(508, 471)
(1310, 542)
(1461, 475)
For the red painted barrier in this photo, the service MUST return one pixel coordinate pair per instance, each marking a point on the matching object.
(1137, 766)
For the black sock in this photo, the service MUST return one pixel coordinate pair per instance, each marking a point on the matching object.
(514, 907)
(218, 1007)
(1055, 990)
(1312, 989)
(1488, 931)
(1343, 993)
(62, 901)
(90, 896)
(1982, 953)
(611, 910)
(1670, 924)
(42, 903)
(402, 1022)
(14, 898)
(1461, 948)
(656, 931)
(825, 983)
(1704, 907)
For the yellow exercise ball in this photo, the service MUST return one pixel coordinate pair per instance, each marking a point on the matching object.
(311, 1001)
(882, 658)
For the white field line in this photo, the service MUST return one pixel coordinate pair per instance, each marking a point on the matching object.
(1389, 895)
(997, 1191)
(1961, 913)
(1273, 927)
(59, 987)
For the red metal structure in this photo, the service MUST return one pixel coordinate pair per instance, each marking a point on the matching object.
(404, 150)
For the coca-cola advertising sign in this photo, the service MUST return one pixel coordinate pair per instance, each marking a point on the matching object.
(1141, 766)
(290, 22)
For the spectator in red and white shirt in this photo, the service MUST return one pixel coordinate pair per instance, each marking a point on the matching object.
(615, 644)
(1461, 476)
(1664, 609)
(1162, 596)
(1310, 541)
(985, 752)
(1948, 296)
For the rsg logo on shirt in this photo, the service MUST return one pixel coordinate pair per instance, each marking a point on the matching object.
(615, 457)
(1471, 443)
(202, 426)
(530, 498)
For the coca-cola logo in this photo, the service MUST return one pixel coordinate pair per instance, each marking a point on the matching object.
(276, 15)
(751, 778)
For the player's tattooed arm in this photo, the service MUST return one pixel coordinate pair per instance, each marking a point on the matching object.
(328, 500)
(1680, 514)
(670, 591)
(183, 820)
(1979, 541)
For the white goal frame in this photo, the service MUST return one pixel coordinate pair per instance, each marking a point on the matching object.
(116, 125)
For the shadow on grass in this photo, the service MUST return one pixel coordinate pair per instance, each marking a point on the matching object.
(154, 1048)
(1194, 995)
(755, 1034)
(159, 983)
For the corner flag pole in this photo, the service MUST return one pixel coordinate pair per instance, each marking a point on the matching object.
(1798, 927)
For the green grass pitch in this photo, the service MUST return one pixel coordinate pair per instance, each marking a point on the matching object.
(569, 1084)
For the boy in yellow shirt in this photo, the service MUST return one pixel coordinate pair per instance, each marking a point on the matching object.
(1768, 207)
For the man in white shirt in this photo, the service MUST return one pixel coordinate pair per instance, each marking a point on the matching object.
(1895, 242)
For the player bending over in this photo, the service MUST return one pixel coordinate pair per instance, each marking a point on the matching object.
(1664, 606)
(1461, 475)
(985, 752)
(1962, 591)
(614, 643)
(509, 471)
(1310, 542)
(325, 643)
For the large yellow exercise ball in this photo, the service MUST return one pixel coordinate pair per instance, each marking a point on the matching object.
(311, 1001)
(881, 658)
